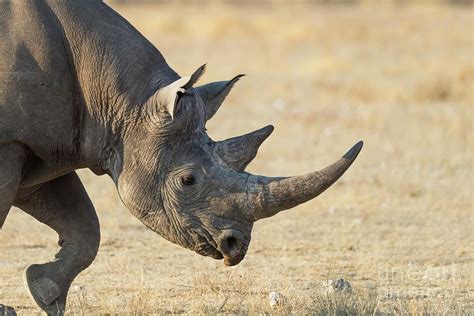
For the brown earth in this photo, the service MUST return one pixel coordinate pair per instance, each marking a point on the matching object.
(398, 226)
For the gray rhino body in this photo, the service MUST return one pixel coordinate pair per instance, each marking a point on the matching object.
(81, 88)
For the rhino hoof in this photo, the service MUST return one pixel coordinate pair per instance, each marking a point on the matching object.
(44, 291)
(7, 311)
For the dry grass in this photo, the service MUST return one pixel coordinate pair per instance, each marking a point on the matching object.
(398, 226)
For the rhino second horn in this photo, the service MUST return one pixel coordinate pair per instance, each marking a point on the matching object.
(214, 94)
(268, 196)
(238, 152)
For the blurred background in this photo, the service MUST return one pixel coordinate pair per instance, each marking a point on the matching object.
(398, 226)
(306, 2)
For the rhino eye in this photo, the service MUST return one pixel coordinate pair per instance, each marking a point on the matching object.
(188, 180)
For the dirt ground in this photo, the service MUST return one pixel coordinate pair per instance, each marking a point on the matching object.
(398, 226)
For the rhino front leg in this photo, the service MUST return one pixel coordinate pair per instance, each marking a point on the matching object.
(12, 158)
(63, 205)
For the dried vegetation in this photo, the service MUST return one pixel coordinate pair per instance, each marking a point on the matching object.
(398, 225)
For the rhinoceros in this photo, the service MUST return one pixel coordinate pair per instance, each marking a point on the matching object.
(81, 88)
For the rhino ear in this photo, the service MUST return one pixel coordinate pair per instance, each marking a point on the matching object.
(238, 152)
(167, 96)
(195, 77)
(213, 94)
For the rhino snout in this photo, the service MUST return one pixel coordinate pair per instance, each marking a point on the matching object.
(233, 246)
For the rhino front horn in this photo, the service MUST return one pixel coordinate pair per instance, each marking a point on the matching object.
(268, 196)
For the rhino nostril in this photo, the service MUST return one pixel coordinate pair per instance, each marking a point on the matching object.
(232, 244)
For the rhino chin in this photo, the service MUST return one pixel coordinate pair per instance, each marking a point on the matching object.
(233, 261)
(229, 260)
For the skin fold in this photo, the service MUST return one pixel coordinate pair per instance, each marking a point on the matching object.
(81, 88)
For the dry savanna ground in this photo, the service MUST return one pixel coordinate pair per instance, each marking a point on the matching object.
(399, 224)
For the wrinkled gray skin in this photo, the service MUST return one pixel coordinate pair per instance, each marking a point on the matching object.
(81, 88)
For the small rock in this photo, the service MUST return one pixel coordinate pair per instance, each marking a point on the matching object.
(332, 210)
(78, 288)
(358, 221)
(328, 131)
(279, 105)
(275, 299)
(384, 205)
(339, 285)
(7, 311)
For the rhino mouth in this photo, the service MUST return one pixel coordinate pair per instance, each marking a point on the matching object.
(229, 259)
(232, 256)
(206, 245)
(211, 251)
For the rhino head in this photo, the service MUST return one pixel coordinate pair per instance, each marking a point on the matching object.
(194, 191)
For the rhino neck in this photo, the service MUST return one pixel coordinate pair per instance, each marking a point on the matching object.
(116, 70)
